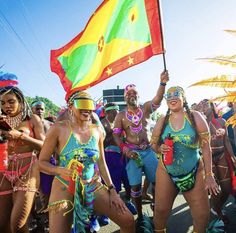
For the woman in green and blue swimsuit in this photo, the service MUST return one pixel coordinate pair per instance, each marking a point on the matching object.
(188, 173)
(77, 191)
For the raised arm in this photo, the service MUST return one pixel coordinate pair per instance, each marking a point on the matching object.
(152, 105)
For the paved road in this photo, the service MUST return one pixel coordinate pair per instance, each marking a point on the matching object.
(180, 220)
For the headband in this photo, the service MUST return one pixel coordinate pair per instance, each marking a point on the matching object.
(37, 103)
(129, 88)
(115, 107)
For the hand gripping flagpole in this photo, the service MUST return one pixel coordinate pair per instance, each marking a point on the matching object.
(162, 35)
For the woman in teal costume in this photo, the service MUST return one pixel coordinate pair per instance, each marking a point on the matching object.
(77, 191)
(189, 173)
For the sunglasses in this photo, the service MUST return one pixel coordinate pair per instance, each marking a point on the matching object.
(172, 95)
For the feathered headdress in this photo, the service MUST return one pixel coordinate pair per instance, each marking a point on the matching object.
(7, 79)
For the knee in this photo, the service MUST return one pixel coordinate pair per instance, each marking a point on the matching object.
(128, 222)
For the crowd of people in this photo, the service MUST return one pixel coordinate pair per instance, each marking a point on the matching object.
(72, 169)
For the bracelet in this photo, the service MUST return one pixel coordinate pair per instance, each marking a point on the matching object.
(20, 137)
(110, 187)
(209, 174)
(162, 84)
(123, 148)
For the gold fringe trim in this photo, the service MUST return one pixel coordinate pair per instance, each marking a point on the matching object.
(57, 206)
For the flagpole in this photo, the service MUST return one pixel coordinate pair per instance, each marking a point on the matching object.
(162, 34)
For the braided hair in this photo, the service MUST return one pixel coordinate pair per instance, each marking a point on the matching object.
(26, 111)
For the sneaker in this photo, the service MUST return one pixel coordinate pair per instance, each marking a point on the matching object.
(131, 207)
(104, 220)
(94, 224)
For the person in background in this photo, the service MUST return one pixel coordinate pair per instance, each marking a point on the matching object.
(77, 185)
(222, 157)
(115, 161)
(136, 148)
(38, 108)
(39, 217)
(19, 181)
(181, 168)
(231, 134)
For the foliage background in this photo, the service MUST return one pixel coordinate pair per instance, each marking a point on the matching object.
(51, 109)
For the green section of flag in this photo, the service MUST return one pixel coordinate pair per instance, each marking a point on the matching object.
(78, 64)
(121, 26)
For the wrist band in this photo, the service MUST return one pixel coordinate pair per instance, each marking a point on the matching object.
(209, 174)
(20, 136)
(162, 84)
(110, 187)
(123, 148)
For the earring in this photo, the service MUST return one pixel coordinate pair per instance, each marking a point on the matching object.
(71, 115)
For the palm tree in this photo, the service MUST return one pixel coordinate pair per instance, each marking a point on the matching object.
(223, 81)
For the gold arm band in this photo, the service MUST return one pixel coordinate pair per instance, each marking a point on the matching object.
(209, 174)
(205, 137)
(154, 140)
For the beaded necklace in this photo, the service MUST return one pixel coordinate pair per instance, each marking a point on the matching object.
(135, 119)
(14, 121)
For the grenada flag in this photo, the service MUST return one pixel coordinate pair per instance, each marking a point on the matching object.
(120, 34)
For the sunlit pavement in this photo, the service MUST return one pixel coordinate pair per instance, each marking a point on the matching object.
(180, 220)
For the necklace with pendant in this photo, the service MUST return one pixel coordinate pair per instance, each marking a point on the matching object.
(14, 121)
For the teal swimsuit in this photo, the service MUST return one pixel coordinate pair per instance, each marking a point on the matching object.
(185, 157)
(88, 154)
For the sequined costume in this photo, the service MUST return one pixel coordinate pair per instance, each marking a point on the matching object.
(186, 156)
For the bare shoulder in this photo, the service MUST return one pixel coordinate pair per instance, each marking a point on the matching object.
(59, 126)
(97, 130)
(34, 118)
(120, 115)
(197, 115)
(158, 125)
(200, 120)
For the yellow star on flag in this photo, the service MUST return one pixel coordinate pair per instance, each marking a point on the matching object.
(131, 61)
(109, 71)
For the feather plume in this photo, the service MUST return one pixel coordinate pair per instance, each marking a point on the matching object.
(223, 81)
(229, 97)
(221, 60)
(231, 121)
(7, 79)
(233, 32)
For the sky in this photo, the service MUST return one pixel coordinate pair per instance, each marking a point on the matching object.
(29, 29)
